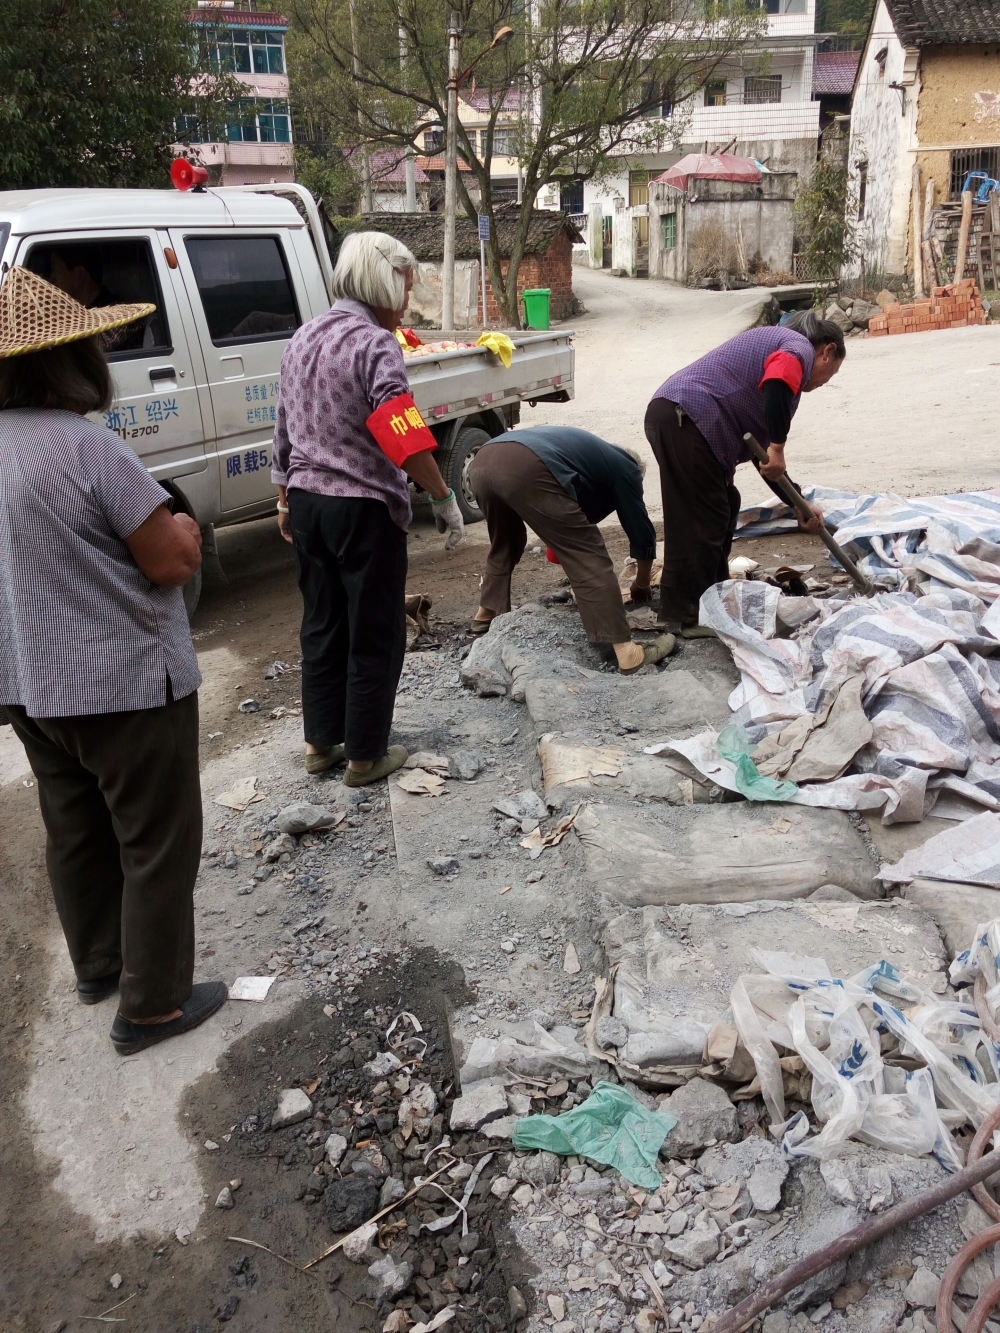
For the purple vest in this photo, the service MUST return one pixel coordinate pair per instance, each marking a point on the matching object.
(720, 392)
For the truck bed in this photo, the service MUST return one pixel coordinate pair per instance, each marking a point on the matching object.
(453, 384)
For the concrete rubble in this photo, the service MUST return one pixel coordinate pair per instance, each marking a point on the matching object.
(544, 731)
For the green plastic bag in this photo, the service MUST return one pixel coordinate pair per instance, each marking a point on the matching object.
(610, 1127)
(734, 745)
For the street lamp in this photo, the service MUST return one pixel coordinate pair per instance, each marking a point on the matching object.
(501, 38)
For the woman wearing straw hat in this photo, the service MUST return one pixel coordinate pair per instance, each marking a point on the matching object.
(98, 676)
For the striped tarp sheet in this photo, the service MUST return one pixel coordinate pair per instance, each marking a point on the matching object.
(929, 687)
(949, 540)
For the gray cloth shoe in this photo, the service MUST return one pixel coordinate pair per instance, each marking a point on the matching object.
(395, 757)
(328, 758)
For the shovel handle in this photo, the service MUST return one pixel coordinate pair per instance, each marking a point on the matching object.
(798, 502)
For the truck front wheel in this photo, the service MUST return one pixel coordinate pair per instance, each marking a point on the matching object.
(455, 463)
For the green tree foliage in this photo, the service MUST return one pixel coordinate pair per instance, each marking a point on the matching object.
(90, 91)
(822, 210)
(849, 18)
(581, 84)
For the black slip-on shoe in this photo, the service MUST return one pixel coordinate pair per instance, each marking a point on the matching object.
(93, 992)
(206, 997)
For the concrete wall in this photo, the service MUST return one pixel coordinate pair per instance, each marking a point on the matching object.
(881, 136)
(394, 201)
(625, 240)
(762, 212)
(424, 308)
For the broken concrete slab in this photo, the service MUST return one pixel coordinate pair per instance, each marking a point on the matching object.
(815, 1220)
(747, 1160)
(673, 968)
(704, 1115)
(736, 852)
(479, 1103)
(675, 700)
(293, 1106)
(956, 908)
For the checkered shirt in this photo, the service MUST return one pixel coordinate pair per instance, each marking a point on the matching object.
(721, 392)
(335, 372)
(82, 630)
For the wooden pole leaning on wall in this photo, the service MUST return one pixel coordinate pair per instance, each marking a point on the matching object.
(931, 275)
(963, 235)
(918, 254)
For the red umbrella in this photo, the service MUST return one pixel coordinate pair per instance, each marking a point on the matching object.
(711, 166)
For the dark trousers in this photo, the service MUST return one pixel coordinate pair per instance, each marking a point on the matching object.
(352, 574)
(514, 488)
(121, 801)
(700, 510)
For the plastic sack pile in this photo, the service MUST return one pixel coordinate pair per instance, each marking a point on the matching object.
(841, 1028)
(889, 702)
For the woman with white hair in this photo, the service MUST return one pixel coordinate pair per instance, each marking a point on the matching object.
(348, 437)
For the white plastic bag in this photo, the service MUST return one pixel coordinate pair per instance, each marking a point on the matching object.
(835, 1025)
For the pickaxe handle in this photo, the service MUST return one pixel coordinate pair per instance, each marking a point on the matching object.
(795, 498)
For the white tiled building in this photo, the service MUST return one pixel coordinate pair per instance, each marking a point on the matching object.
(769, 115)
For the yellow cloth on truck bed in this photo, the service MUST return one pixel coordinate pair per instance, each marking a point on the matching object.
(498, 343)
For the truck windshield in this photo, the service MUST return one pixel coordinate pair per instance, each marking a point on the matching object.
(4, 233)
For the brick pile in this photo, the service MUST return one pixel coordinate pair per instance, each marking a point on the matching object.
(953, 307)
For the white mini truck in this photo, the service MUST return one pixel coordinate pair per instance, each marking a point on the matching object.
(232, 273)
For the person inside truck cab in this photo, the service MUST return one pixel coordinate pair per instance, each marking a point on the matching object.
(79, 272)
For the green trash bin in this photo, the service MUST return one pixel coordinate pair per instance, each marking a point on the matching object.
(536, 307)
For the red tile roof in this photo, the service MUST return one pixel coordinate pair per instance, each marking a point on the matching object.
(219, 16)
(834, 72)
(437, 164)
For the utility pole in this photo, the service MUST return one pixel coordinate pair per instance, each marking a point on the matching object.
(450, 174)
(409, 164)
(367, 203)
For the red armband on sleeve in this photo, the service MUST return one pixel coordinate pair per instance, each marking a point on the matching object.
(400, 430)
(783, 366)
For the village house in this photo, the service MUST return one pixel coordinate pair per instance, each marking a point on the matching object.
(474, 116)
(761, 105)
(255, 147)
(547, 262)
(927, 94)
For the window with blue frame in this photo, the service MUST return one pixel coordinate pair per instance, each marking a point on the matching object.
(669, 231)
(263, 120)
(245, 50)
(251, 120)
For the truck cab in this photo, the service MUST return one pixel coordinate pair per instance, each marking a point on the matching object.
(232, 275)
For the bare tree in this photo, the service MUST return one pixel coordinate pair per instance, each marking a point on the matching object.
(582, 84)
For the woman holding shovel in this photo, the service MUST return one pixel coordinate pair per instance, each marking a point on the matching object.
(695, 425)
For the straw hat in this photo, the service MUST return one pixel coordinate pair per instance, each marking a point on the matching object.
(34, 315)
